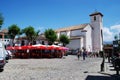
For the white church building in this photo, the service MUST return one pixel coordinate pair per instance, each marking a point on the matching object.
(89, 35)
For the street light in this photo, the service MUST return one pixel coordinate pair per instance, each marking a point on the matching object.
(103, 61)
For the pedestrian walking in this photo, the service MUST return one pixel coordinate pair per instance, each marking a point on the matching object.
(78, 54)
(84, 54)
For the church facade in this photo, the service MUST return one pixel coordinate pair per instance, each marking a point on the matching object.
(88, 36)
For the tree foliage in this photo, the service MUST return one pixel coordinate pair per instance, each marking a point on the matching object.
(1, 20)
(116, 46)
(50, 35)
(116, 37)
(13, 30)
(64, 39)
(30, 33)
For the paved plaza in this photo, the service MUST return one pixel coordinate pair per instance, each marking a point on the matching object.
(67, 68)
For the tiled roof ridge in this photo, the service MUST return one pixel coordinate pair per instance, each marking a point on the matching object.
(80, 26)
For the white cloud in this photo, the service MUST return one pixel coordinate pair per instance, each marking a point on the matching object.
(109, 33)
(115, 27)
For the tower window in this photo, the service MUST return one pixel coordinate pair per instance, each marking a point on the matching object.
(94, 18)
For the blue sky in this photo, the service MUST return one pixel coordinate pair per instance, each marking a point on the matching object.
(44, 14)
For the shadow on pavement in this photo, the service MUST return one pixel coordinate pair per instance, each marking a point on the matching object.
(1, 70)
(111, 77)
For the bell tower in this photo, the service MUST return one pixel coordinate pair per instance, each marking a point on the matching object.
(97, 31)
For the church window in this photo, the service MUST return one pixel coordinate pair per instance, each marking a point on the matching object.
(94, 18)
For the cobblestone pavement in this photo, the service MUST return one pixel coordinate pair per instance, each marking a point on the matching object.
(68, 68)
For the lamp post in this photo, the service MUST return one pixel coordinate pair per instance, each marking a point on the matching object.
(103, 61)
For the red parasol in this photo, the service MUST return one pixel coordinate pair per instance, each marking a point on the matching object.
(31, 47)
(65, 48)
(10, 48)
(17, 48)
(59, 48)
(50, 47)
(41, 47)
(24, 47)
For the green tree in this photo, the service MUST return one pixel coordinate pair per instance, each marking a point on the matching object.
(116, 37)
(13, 30)
(64, 39)
(20, 33)
(1, 20)
(30, 33)
(36, 34)
(50, 35)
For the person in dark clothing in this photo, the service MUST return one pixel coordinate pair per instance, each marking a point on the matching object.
(78, 55)
(84, 54)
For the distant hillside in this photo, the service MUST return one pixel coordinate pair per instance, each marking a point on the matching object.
(107, 42)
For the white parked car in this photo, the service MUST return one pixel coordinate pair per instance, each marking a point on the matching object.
(2, 55)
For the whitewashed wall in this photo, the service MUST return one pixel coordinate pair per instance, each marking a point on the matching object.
(76, 33)
(97, 27)
(88, 38)
(74, 44)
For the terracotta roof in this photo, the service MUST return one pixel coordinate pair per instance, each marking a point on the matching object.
(41, 37)
(96, 13)
(81, 26)
(4, 31)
